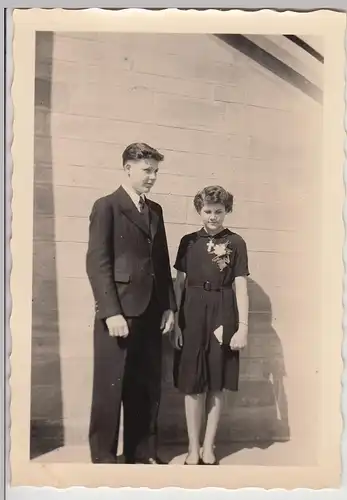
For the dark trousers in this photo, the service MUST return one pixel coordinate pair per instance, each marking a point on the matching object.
(127, 371)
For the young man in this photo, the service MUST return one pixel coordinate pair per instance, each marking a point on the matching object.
(129, 272)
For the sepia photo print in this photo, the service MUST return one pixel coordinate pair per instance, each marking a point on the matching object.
(143, 141)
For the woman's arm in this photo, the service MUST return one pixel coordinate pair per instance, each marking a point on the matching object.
(178, 289)
(242, 299)
(239, 340)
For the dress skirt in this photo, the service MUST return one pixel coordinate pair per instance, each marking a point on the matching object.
(203, 364)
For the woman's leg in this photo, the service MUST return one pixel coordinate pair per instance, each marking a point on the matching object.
(194, 404)
(214, 402)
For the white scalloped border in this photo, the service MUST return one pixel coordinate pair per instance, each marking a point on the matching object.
(124, 14)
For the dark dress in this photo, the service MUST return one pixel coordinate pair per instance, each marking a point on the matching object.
(208, 301)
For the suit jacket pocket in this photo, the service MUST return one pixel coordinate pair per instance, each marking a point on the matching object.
(121, 277)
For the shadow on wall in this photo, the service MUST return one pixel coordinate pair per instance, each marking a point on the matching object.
(275, 65)
(256, 416)
(46, 425)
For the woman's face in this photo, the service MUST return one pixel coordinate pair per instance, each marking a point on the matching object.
(213, 215)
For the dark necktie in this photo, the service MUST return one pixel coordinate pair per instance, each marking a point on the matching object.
(143, 209)
(142, 204)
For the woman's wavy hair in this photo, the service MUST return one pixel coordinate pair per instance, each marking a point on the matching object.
(213, 194)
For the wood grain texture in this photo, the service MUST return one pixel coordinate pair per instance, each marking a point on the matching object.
(219, 120)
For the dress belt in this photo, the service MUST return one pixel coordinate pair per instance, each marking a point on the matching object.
(208, 286)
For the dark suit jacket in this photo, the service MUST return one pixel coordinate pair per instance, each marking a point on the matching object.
(126, 258)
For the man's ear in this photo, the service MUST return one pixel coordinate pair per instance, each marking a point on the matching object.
(127, 168)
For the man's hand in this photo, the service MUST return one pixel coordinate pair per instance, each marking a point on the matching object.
(167, 321)
(117, 326)
(177, 338)
(239, 339)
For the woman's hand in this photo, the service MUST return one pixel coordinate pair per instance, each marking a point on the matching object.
(239, 339)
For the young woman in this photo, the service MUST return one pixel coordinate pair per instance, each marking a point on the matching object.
(212, 323)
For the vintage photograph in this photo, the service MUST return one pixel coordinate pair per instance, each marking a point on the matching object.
(177, 289)
(201, 126)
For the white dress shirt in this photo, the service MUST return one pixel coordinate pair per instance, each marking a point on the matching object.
(134, 196)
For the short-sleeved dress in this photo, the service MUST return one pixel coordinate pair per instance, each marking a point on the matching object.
(209, 301)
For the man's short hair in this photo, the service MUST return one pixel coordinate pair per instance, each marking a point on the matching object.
(140, 151)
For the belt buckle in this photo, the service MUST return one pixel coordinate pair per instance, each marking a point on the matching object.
(207, 286)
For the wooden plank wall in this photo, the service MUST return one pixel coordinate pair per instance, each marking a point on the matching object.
(218, 118)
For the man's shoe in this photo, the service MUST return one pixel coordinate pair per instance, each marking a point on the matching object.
(105, 459)
(151, 461)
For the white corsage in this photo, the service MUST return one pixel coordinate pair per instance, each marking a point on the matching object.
(221, 252)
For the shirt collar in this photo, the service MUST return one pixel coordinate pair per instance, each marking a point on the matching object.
(204, 234)
(133, 195)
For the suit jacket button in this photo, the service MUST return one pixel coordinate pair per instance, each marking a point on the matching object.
(149, 240)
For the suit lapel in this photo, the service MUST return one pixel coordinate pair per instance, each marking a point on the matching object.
(128, 208)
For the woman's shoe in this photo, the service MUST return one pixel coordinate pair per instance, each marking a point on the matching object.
(200, 462)
(216, 462)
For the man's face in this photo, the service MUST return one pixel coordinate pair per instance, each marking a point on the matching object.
(142, 174)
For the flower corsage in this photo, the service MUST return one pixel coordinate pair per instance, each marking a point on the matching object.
(221, 252)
